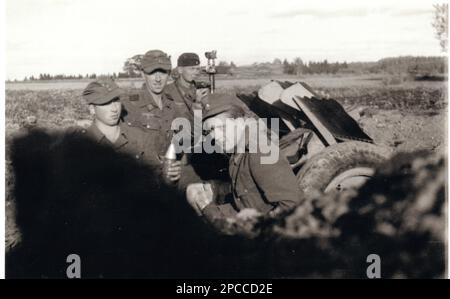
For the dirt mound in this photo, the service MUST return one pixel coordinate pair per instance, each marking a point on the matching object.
(406, 132)
(399, 215)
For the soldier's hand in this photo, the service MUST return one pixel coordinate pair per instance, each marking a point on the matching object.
(173, 172)
(201, 94)
(199, 196)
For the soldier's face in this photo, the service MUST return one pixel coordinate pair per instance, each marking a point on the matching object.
(156, 80)
(189, 73)
(225, 131)
(109, 113)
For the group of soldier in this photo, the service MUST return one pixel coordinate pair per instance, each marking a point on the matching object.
(140, 124)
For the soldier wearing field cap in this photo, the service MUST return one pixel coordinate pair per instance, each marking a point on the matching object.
(104, 99)
(184, 90)
(151, 109)
(188, 98)
(185, 94)
(267, 188)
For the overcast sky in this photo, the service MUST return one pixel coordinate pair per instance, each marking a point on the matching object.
(87, 36)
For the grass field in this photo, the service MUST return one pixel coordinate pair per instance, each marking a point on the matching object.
(59, 104)
(227, 82)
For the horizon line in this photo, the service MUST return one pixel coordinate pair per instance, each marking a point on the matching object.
(443, 55)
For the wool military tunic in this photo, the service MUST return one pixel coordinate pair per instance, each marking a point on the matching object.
(141, 111)
(263, 187)
(131, 141)
(185, 101)
(184, 95)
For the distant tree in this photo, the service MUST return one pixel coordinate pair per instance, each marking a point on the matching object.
(276, 61)
(288, 68)
(285, 66)
(132, 65)
(440, 24)
(334, 68)
(324, 67)
(299, 66)
(232, 65)
(223, 63)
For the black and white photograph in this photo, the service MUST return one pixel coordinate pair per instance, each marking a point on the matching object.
(229, 140)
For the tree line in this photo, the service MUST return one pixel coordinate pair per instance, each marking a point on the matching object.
(298, 67)
(413, 65)
(410, 65)
(47, 77)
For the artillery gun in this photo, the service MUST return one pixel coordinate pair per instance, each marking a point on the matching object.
(325, 146)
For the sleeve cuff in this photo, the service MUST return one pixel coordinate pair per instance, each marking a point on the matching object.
(211, 211)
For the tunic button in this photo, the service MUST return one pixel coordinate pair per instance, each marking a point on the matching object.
(129, 123)
(245, 190)
(148, 126)
(137, 156)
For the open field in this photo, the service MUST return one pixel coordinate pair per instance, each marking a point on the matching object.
(226, 82)
(409, 115)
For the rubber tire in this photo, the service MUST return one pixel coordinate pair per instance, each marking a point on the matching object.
(322, 168)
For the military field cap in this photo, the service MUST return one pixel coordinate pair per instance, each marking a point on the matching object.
(221, 103)
(155, 60)
(188, 59)
(101, 91)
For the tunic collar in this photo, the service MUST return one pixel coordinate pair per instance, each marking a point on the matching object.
(99, 137)
(147, 99)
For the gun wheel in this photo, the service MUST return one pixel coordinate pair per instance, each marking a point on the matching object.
(352, 178)
(341, 167)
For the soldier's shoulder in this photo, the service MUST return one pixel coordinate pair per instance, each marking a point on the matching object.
(130, 102)
(132, 96)
(170, 86)
(138, 136)
(133, 131)
(76, 133)
(81, 126)
(171, 91)
(76, 130)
